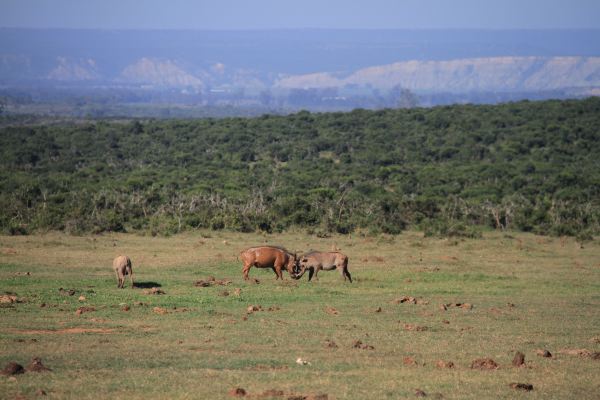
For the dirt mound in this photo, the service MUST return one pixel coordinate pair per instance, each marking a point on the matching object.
(9, 299)
(12, 368)
(360, 345)
(36, 365)
(154, 290)
(82, 310)
(67, 292)
(519, 359)
(237, 392)
(444, 364)
(409, 361)
(211, 281)
(416, 328)
(405, 299)
(521, 386)
(330, 344)
(331, 311)
(252, 308)
(465, 306)
(484, 364)
(160, 310)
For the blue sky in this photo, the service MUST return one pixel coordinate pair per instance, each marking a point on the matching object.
(268, 14)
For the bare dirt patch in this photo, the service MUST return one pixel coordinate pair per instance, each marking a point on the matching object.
(65, 331)
(575, 352)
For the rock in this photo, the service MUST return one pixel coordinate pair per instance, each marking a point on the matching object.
(521, 386)
(484, 363)
(12, 368)
(81, 298)
(519, 359)
(543, 353)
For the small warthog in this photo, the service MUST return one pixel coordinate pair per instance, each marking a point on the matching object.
(276, 258)
(122, 267)
(327, 261)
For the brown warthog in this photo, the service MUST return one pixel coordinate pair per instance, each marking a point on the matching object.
(122, 267)
(318, 260)
(272, 257)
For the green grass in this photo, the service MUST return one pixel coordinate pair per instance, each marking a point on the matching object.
(207, 344)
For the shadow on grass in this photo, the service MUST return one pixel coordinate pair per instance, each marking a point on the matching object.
(146, 285)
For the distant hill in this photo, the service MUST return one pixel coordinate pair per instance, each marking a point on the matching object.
(268, 68)
(465, 75)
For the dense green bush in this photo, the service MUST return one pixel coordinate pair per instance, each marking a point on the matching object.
(530, 166)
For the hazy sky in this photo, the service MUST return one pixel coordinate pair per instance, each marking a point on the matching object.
(265, 14)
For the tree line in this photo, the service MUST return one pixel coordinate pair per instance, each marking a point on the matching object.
(452, 170)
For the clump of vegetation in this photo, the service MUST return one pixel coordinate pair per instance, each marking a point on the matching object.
(528, 166)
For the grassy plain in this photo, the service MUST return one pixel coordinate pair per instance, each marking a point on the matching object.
(528, 292)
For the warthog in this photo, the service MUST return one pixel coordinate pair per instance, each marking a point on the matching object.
(327, 261)
(272, 257)
(122, 267)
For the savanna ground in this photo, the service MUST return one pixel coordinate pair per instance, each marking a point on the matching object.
(527, 293)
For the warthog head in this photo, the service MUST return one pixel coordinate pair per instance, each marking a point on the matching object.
(300, 267)
(292, 265)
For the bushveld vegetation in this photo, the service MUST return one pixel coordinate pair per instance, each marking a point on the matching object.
(526, 166)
